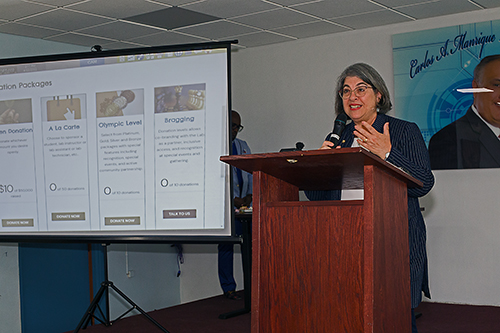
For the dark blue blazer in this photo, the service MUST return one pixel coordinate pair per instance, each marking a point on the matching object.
(464, 144)
(408, 152)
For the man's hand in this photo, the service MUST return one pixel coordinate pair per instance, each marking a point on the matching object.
(240, 202)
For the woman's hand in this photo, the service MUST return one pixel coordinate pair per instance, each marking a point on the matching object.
(327, 145)
(376, 142)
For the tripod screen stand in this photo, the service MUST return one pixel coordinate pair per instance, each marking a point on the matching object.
(104, 317)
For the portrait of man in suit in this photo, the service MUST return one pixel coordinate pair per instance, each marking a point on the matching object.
(472, 141)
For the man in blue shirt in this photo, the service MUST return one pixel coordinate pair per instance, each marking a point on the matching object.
(242, 197)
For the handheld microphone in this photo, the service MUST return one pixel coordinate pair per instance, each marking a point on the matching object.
(338, 127)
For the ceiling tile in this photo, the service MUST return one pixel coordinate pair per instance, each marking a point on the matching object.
(172, 17)
(294, 2)
(307, 30)
(260, 39)
(118, 30)
(439, 8)
(60, 2)
(488, 3)
(121, 45)
(65, 20)
(397, 3)
(217, 30)
(274, 19)
(176, 2)
(84, 40)
(257, 22)
(27, 31)
(326, 9)
(167, 38)
(230, 8)
(110, 8)
(373, 19)
(12, 10)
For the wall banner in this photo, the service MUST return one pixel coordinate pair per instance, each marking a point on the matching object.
(429, 67)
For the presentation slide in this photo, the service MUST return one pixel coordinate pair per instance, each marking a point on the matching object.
(124, 143)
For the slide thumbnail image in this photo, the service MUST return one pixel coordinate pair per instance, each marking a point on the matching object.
(120, 103)
(16, 111)
(64, 107)
(180, 98)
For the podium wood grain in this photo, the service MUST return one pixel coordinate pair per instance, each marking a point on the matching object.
(328, 266)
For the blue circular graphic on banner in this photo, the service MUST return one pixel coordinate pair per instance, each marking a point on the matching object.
(448, 106)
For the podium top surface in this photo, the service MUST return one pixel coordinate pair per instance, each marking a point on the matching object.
(325, 169)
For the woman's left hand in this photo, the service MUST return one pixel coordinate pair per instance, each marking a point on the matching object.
(376, 142)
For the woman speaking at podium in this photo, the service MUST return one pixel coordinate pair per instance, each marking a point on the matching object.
(363, 95)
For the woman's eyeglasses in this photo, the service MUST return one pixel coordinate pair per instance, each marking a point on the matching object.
(360, 91)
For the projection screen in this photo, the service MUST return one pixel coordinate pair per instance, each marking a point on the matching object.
(116, 144)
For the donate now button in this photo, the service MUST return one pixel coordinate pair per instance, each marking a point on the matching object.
(123, 220)
(76, 216)
(17, 223)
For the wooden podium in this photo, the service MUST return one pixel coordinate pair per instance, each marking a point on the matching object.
(328, 266)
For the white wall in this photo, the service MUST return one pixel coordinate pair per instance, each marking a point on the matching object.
(199, 277)
(18, 46)
(146, 273)
(284, 94)
(463, 236)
